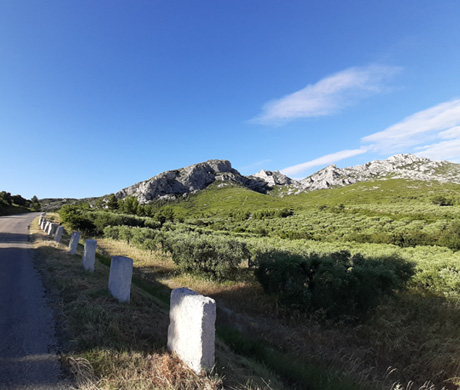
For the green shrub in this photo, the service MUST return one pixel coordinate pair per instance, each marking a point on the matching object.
(218, 257)
(78, 219)
(338, 283)
(441, 200)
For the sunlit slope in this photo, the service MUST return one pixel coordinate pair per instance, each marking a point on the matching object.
(378, 191)
(221, 200)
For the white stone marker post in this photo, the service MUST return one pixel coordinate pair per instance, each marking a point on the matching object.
(121, 273)
(192, 332)
(52, 230)
(40, 220)
(48, 227)
(42, 223)
(58, 235)
(74, 238)
(89, 255)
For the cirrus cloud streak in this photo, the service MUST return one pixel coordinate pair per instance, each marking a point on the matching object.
(324, 160)
(432, 133)
(329, 95)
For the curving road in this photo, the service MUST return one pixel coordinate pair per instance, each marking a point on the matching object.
(28, 358)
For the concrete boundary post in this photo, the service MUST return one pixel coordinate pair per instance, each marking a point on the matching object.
(48, 227)
(74, 238)
(52, 230)
(58, 235)
(191, 332)
(89, 255)
(121, 273)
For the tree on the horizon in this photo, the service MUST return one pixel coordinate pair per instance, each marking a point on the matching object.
(112, 202)
(36, 206)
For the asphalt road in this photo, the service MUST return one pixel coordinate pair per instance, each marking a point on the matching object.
(28, 346)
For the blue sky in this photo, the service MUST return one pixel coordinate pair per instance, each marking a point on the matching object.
(97, 95)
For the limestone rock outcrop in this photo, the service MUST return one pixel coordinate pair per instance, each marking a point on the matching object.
(180, 182)
(275, 178)
(401, 166)
(191, 179)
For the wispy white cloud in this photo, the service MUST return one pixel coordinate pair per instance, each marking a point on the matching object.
(329, 95)
(324, 160)
(432, 133)
(445, 150)
(434, 123)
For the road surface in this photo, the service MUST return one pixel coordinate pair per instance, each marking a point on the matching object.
(27, 343)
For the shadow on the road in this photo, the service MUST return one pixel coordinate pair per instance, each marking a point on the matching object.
(11, 238)
(20, 373)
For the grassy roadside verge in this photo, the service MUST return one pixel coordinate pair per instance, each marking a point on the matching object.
(408, 327)
(107, 345)
(123, 346)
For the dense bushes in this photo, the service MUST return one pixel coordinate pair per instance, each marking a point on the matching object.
(77, 219)
(215, 256)
(243, 215)
(93, 222)
(441, 200)
(338, 283)
(218, 257)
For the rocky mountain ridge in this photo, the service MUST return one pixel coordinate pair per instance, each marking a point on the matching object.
(401, 166)
(191, 179)
(194, 178)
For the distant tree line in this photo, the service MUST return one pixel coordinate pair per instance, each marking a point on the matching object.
(8, 200)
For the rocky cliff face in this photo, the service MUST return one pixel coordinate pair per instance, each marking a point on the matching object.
(401, 166)
(275, 178)
(178, 182)
(171, 184)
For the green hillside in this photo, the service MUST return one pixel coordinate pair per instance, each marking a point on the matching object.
(219, 201)
(384, 253)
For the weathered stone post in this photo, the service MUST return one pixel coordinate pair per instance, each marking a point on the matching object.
(89, 255)
(52, 230)
(58, 235)
(74, 238)
(48, 227)
(40, 219)
(191, 332)
(43, 223)
(121, 273)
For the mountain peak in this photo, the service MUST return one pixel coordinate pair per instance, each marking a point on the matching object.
(193, 178)
(179, 182)
(273, 178)
(400, 166)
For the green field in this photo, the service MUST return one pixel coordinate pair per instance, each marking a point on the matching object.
(371, 269)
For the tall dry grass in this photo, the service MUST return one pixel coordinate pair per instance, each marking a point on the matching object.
(108, 345)
(411, 340)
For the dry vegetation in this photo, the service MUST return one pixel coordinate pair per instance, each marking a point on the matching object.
(107, 345)
(409, 343)
(406, 338)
